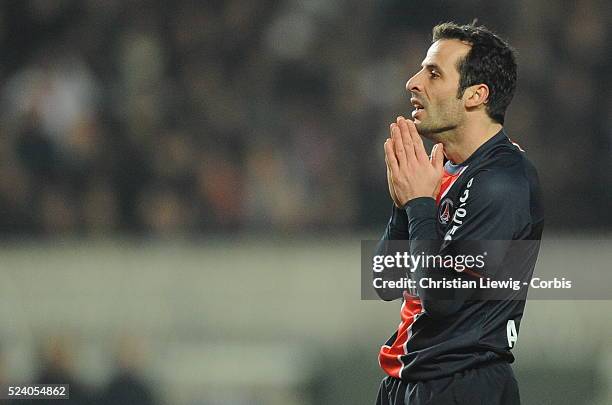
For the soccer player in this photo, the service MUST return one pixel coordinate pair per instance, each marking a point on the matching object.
(449, 347)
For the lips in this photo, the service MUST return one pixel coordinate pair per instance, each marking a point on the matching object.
(416, 104)
(418, 108)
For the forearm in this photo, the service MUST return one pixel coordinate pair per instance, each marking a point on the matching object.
(397, 229)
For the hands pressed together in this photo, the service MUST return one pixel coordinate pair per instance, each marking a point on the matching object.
(410, 172)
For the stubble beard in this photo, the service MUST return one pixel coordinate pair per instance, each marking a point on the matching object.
(440, 126)
(436, 132)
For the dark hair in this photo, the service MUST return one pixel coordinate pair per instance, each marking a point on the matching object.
(490, 61)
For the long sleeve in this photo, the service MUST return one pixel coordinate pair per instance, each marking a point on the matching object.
(397, 229)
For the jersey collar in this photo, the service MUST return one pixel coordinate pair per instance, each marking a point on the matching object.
(495, 140)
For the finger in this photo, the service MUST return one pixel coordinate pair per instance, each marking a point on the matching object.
(387, 162)
(437, 156)
(419, 148)
(388, 166)
(398, 145)
(391, 158)
(386, 159)
(406, 138)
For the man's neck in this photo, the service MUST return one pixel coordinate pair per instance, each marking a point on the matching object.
(465, 140)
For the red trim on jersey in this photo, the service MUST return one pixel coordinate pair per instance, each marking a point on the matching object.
(447, 181)
(517, 145)
(389, 357)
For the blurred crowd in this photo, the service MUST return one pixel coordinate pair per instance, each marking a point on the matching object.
(125, 385)
(194, 117)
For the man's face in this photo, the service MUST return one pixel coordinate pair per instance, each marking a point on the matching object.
(434, 89)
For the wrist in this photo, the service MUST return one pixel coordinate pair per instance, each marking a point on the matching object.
(399, 219)
(424, 206)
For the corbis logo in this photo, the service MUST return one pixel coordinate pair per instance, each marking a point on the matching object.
(444, 212)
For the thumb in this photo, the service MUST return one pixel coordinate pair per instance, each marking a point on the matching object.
(437, 156)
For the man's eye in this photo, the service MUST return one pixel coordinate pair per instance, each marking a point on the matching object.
(433, 75)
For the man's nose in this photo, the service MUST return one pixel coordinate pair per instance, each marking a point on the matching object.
(413, 85)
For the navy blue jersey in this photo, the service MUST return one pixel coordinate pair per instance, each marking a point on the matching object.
(485, 203)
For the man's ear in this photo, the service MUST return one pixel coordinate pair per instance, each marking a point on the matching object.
(476, 95)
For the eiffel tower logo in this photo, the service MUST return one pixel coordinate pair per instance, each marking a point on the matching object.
(445, 213)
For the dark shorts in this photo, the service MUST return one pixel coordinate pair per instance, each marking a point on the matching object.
(493, 384)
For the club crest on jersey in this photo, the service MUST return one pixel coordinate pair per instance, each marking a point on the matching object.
(444, 212)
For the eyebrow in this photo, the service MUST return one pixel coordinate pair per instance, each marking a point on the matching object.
(432, 66)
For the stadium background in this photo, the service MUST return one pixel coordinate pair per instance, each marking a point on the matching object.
(184, 185)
